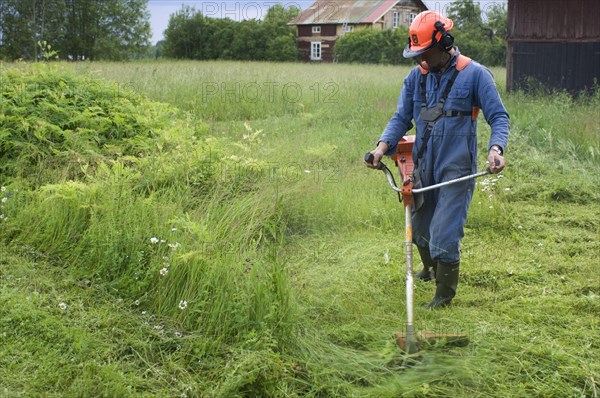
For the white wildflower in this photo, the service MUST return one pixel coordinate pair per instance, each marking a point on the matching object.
(173, 245)
(144, 312)
(4, 200)
(164, 271)
(154, 240)
(182, 305)
(62, 306)
(3, 189)
(173, 229)
(136, 302)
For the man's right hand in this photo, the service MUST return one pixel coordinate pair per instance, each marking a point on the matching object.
(378, 154)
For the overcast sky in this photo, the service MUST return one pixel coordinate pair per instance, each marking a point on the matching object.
(160, 10)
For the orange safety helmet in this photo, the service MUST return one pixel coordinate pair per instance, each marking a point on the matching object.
(428, 29)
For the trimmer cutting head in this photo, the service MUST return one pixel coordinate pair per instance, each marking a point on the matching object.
(428, 338)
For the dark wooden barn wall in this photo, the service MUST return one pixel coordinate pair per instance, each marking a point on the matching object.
(554, 42)
(554, 19)
(569, 66)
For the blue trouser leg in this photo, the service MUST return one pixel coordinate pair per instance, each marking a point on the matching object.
(422, 219)
(440, 222)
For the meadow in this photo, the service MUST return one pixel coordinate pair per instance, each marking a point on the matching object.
(208, 229)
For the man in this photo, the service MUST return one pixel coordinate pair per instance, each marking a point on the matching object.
(443, 95)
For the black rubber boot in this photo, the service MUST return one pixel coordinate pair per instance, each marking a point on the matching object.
(446, 279)
(429, 266)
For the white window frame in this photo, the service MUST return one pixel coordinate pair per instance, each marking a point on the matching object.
(348, 28)
(411, 17)
(395, 19)
(316, 29)
(316, 51)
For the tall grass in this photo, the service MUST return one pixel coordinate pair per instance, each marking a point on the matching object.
(166, 230)
(355, 100)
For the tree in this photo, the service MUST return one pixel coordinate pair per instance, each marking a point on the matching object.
(483, 41)
(281, 37)
(158, 50)
(249, 41)
(465, 14)
(185, 36)
(124, 29)
(109, 29)
(190, 35)
(497, 22)
(25, 23)
(282, 48)
(373, 46)
(220, 34)
(468, 28)
(277, 19)
(76, 29)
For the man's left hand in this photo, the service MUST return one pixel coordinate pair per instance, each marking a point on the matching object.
(495, 161)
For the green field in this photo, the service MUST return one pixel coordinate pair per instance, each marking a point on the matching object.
(208, 229)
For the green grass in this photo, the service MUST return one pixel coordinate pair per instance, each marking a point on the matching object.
(290, 252)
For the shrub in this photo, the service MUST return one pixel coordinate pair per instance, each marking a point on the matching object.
(373, 46)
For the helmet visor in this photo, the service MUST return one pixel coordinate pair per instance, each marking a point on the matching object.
(413, 51)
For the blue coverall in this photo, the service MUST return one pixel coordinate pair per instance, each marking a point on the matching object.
(450, 152)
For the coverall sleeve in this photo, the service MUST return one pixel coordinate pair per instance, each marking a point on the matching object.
(401, 121)
(493, 109)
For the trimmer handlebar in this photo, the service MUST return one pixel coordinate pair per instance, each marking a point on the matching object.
(369, 158)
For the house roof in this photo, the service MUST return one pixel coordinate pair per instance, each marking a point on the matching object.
(351, 11)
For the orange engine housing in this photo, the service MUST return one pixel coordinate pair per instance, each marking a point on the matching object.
(404, 162)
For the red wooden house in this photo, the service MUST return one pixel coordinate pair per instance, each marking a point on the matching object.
(320, 25)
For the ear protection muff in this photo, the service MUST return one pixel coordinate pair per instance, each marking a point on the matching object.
(446, 41)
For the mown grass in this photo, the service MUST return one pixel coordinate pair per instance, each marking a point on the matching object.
(290, 252)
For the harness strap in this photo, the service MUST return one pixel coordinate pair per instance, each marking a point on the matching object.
(428, 131)
(457, 113)
(423, 91)
(449, 86)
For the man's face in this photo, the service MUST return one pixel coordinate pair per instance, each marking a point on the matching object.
(433, 58)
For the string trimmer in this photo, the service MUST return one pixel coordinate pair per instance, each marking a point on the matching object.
(409, 341)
